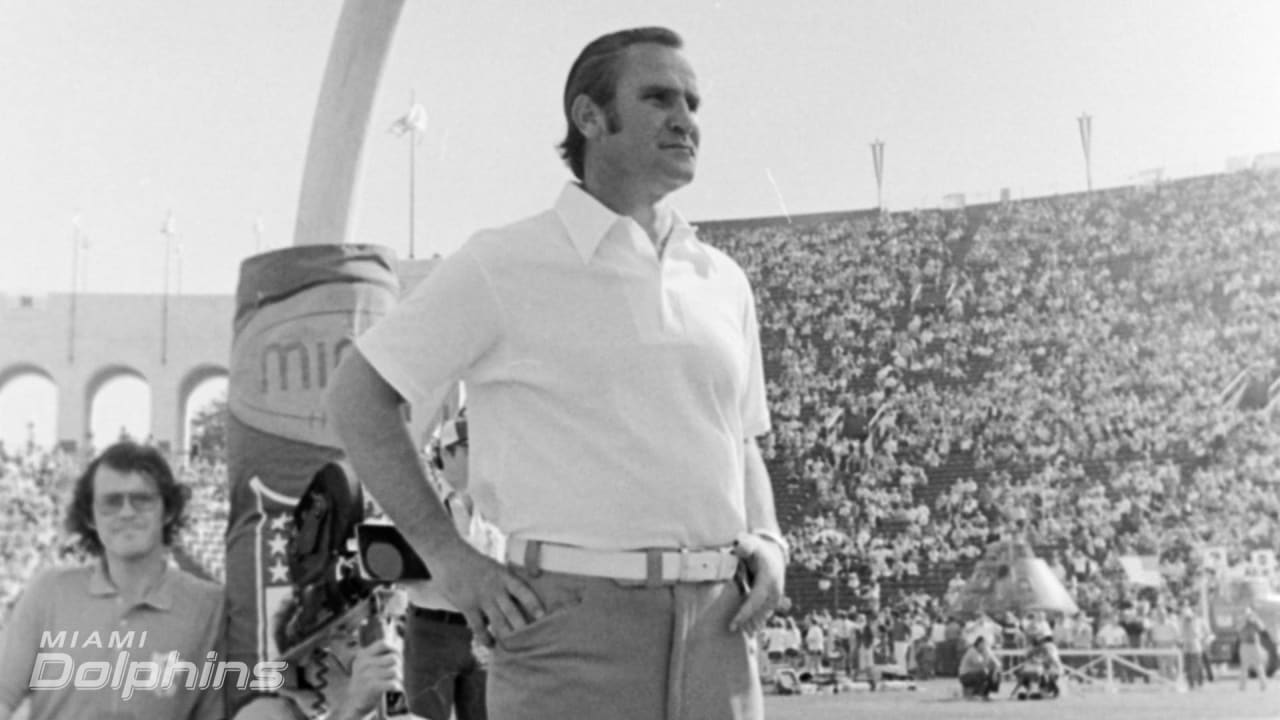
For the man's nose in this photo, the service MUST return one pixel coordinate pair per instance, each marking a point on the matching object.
(683, 122)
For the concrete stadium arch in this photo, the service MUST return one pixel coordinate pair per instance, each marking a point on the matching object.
(98, 381)
(28, 402)
(113, 335)
(186, 388)
(22, 369)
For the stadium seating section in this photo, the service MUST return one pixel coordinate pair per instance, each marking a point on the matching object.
(1092, 370)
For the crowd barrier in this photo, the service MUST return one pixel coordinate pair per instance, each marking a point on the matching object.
(1109, 668)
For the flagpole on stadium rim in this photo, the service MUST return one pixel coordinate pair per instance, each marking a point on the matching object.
(877, 160)
(413, 180)
(1085, 121)
(75, 287)
(168, 231)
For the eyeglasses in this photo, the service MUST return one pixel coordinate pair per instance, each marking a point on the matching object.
(111, 503)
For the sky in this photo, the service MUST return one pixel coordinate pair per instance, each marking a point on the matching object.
(118, 115)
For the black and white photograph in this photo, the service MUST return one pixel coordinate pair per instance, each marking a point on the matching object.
(639, 359)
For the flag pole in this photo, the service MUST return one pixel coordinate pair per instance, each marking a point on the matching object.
(168, 232)
(412, 124)
(75, 283)
(413, 178)
(1085, 121)
(877, 160)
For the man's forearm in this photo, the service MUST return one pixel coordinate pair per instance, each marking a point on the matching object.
(761, 514)
(365, 411)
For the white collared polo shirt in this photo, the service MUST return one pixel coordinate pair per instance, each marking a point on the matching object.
(610, 390)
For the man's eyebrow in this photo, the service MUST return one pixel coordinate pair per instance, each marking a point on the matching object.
(658, 89)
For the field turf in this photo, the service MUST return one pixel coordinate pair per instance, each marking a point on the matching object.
(938, 700)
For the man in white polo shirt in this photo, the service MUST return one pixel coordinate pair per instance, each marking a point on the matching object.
(615, 391)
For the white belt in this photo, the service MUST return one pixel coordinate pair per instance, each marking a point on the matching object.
(672, 566)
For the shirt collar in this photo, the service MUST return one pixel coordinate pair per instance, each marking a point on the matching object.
(159, 597)
(682, 233)
(588, 221)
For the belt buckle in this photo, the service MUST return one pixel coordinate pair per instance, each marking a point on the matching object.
(698, 567)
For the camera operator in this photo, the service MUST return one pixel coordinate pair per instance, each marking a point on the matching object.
(979, 670)
(338, 677)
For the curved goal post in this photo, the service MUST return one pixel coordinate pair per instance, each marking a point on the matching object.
(296, 311)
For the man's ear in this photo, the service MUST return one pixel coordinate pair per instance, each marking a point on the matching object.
(588, 117)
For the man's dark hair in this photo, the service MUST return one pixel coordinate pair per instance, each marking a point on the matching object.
(595, 74)
(127, 456)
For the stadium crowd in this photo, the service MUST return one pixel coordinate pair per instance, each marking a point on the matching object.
(1060, 367)
(1090, 371)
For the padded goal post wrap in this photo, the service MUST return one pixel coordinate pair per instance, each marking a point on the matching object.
(297, 311)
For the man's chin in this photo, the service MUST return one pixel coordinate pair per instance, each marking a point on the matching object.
(131, 551)
(677, 178)
(688, 168)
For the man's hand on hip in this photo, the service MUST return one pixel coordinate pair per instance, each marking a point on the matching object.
(495, 601)
(765, 560)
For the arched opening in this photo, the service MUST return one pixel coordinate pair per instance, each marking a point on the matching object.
(202, 395)
(28, 410)
(119, 406)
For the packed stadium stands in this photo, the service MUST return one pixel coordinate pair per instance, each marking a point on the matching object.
(1093, 371)
(1053, 366)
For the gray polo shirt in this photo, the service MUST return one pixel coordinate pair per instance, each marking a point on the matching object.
(76, 650)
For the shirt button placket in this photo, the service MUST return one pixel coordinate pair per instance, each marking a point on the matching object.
(672, 321)
(664, 300)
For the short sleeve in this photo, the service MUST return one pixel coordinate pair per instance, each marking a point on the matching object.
(437, 333)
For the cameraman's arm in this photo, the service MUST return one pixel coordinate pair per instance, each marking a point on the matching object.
(376, 671)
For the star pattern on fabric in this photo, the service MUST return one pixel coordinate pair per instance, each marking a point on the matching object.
(278, 544)
(279, 571)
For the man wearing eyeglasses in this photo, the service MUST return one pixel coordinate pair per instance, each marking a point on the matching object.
(127, 636)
